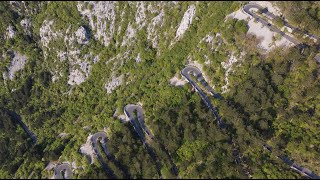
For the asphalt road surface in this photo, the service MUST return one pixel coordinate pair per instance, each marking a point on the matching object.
(24, 126)
(293, 165)
(94, 139)
(129, 112)
(247, 8)
(271, 16)
(62, 167)
(197, 73)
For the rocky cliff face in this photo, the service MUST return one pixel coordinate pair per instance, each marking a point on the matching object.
(69, 49)
(100, 15)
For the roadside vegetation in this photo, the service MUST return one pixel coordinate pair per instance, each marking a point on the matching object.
(272, 98)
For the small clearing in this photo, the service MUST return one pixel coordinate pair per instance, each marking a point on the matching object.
(88, 149)
(177, 82)
(267, 43)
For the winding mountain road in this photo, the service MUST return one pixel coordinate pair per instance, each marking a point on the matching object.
(24, 126)
(129, 112)
(271, 16)
(197, 73)
(94, 139)
(62, 168)
(293, 165)
(246, 8)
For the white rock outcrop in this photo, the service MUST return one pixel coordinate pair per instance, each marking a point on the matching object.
(56, 76)
(47, 34)
(130, 33)
(140, 15)
(96, 59)
(10, 32)
(76, 77)
(153, 29)
(62, 56)
(138, 59)
(74, 165)
(133, 27)
(152, 9)
(177, 82)
(186, 21)
(101, 18)
(22, 8)
(17, 63)
(209, 39)
(113, 84)
(26, 24)
(88, 149)
(82, 35)
(80, 67)
(228, 67)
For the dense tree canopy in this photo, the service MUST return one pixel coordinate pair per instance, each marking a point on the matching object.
(273, 97)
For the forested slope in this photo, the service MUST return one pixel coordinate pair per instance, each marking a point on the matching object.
(86, 60)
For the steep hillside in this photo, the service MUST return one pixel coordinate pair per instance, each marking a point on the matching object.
(69, 68)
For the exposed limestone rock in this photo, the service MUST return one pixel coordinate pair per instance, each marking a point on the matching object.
(152, 9)
(101, 18)
(96, 59)
(26, 24)
(23, 9)
(140, 15)
(11, 32)
(115, 82)
(177, 82)
(56, 76)
(80, 67)
(62, 56)
(88, 149)
(138, 59)
(228, 66)
(85, 67)
(129, 35)
(74, 165)
(17, 63)
(46, 33)
(79, 76)
(76, 77)
(120, 27)
(82, 35)
(87, 128)
(152, 28)
(186, 21)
